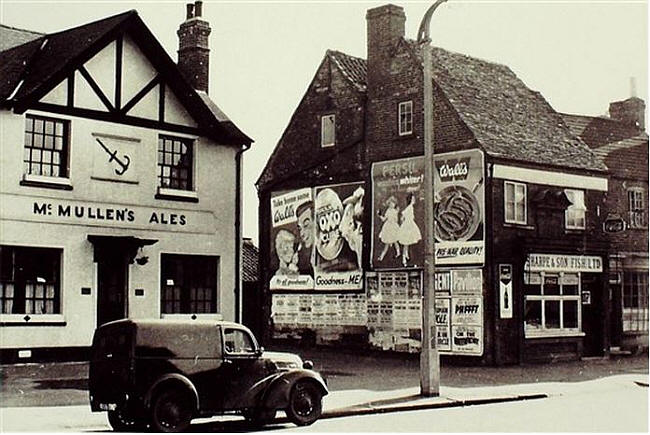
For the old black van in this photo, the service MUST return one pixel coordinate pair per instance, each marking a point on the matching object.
(162, 374)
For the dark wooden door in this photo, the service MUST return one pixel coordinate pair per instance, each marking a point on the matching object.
(593, 315)
(111, 293)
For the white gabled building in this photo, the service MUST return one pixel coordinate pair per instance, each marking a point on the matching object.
(120, 184)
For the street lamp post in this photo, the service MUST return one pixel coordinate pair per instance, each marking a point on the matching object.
(429, 358)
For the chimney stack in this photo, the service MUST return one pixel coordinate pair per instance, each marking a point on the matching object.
(630, 112)
(193, 51)
(385, 27)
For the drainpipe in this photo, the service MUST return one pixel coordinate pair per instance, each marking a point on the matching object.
(238, 232)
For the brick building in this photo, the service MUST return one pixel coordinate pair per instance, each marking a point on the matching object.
(622, 143)
(520, 252)
(112, 160)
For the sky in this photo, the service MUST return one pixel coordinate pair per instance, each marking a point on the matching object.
(580, 55)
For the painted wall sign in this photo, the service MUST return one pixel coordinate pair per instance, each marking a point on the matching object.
(505, 291)
(108, 215)
(563, 263)
(115, 158)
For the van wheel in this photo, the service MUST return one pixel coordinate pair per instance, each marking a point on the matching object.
(124, 420)
(171, 411)
(305, 404)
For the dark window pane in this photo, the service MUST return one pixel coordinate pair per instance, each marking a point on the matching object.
(570, 313)
(552, 314)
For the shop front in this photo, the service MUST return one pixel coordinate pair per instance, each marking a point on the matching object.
(564, 301)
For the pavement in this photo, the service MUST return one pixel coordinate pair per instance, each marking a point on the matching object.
(359, 383)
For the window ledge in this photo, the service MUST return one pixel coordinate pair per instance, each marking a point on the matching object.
(45, 181)
(554, 334)
(519, 226)
(198, 316)
(177, 195)
(32, 320)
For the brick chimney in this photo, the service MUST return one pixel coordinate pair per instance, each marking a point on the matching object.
(630, 111)
(385, 27)
(193, 51)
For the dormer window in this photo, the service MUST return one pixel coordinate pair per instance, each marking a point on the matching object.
(327, 130)
(574, 216)
(405, 116)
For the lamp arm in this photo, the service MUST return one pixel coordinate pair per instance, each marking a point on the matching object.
(423, 32)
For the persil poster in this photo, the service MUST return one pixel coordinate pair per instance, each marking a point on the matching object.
(292, 240)
(398, 214)
(459, 198)
(338, 214)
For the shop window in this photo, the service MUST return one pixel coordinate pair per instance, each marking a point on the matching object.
(29, 280)
(515, 202)
(327, 130)
(635, 301)
(405, 114)
(636, 208)
(189, 284)
(574, 216)
(46, 147)
(175, 162)
(552, 303)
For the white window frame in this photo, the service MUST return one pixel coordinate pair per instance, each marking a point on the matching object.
(513, 219)
(405, 118)
(636, 207)
(575, 216)
(548, 332)
(327, 121)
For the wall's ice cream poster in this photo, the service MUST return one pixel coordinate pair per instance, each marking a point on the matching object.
(459, 198)
(292, 240)
(397, 213)
(338, 214)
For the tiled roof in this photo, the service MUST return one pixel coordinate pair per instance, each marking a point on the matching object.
(250, 259)
(622, 147)
(509, 120)
(30, 69)
(353, 68)
(11, 37)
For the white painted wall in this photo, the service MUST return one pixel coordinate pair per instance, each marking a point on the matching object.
(210, 229)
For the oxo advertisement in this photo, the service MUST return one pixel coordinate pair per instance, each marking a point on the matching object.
(459, 206)
(338, 214)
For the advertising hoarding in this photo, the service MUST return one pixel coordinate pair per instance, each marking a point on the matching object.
(338, 214)
(292, 240)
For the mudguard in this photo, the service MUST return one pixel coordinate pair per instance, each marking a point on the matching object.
(277, 394)
(170, 380)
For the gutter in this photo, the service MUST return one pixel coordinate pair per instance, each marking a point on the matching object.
(238, 231)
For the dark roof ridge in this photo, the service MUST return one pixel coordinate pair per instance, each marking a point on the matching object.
(126, 14)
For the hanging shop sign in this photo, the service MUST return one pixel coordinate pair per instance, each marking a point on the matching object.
(338, 217)
(459, 207)
(563, 263)
(505, 291)
(292, 240)
(96, 214)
